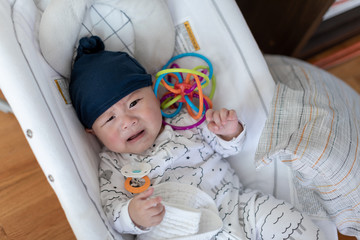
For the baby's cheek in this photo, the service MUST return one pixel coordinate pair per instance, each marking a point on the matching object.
(113, 142)
(115, 138)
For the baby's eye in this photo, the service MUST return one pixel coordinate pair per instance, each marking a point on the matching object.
(110, 119)
(133, 103)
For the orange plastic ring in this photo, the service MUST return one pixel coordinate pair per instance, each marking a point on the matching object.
(201, 101)
(176, 91)
(132, 189)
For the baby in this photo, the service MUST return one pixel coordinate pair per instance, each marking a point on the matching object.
(194, 192)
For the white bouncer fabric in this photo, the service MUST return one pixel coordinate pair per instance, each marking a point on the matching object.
(67, 16)
(69, 156)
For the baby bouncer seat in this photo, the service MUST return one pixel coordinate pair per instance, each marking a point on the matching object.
(37, 48)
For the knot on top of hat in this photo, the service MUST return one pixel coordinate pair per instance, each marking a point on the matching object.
(89, 45)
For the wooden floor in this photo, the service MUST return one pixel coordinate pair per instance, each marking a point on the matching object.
(29, 208)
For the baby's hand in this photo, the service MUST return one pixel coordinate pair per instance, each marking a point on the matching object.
(146, 212)
(224, 123)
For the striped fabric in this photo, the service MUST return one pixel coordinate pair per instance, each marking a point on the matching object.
(314, 128)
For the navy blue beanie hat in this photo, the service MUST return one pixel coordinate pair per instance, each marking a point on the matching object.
(101, 78)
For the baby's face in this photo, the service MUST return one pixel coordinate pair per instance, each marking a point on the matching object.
(132, 124)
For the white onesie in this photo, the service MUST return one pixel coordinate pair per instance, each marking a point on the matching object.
(197, 157)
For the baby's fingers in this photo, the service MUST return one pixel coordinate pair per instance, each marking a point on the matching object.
(213, 127)
(232, 115)
(157, 214)
(152, 202)
(157, 210)
(224, 113)
(216, 119)
(146, 194)
(209, 115)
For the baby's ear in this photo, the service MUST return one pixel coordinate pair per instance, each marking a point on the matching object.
(88, 130)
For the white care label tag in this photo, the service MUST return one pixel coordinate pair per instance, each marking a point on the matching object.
(63, 87)
(185, 40)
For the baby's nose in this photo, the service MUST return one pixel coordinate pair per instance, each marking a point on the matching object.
(129, 122)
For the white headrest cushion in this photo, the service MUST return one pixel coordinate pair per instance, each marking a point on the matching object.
(61, 21)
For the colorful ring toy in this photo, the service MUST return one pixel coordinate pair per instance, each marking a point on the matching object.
(183, 90)
(190, 126)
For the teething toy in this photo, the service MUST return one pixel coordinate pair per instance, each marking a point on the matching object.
(136, 179)
(184, 90)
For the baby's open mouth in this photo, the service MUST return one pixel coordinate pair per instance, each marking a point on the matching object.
(135, 136)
